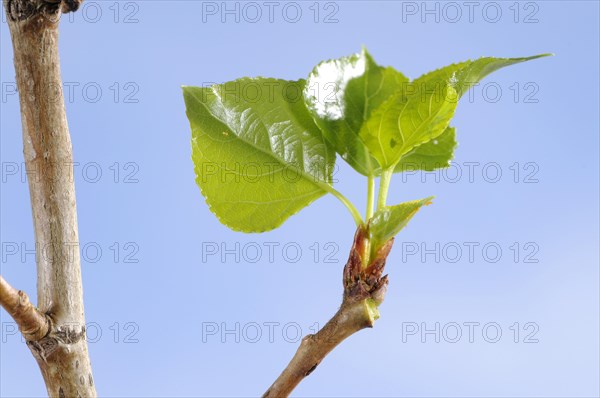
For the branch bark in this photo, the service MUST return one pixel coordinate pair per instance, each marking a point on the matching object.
(364, 290)
(33, 324)
(62, 352)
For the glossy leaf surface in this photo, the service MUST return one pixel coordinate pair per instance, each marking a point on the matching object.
(432, 155)
(405, 122)
(341, 94)
(258, 155)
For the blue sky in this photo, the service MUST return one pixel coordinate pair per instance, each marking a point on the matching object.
(178, 305)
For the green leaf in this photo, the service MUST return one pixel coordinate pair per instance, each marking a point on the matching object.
(388, 221)
(464, 75)
(461, 76)
(259, 157)
(405, 121)
(435, 154)
(341, 94)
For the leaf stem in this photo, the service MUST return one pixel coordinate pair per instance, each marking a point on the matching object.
(370, 196)
(353, 211)
(384, 185)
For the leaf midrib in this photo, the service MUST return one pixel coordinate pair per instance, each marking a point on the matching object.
(312, 179)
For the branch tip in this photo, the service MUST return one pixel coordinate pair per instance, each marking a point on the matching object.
(364, 291)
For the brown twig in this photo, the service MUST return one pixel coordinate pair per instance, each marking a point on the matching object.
(33, 324)
(364, 290)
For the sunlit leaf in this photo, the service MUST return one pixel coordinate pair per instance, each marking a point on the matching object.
(464, 75)
(341, 94)
(439, 149)
(259, 157)
(405, 122)
(432, 155)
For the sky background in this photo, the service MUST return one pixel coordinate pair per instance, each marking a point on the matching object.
(167, 316)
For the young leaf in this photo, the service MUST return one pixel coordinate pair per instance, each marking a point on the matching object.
(435, 154)
(465, 75)
(388, 221)
(341, 94)
(404, 122)
(259, 157)
(461, 77)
